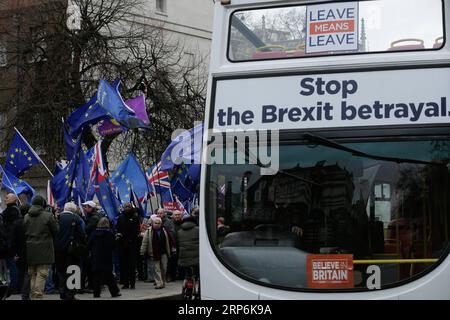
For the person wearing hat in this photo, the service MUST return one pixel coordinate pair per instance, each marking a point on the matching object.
(40, 229)
(92, 218)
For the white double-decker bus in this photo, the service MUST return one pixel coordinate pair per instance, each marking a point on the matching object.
(327, 170)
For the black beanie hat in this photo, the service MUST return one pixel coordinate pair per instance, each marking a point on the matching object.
(39, 201)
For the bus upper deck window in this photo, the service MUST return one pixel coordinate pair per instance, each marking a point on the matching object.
(333, 28)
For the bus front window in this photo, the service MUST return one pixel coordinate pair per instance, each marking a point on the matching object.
(326, 200)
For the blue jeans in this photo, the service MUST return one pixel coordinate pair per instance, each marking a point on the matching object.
(13, 275)
(49, 284)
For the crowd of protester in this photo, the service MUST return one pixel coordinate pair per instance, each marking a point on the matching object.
(39, 243)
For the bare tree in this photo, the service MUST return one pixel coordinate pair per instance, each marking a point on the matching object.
(56, 70)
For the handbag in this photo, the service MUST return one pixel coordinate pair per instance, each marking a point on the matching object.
(76, 248)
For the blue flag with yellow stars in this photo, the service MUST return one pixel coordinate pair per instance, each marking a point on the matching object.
(181, 191)
(185, 148)
(110, 99)
(72, 145)
(129, 176)
(82, 188)
(16, 185)
(107, 199)
(20, 157)
(61, 184)
(89, 113)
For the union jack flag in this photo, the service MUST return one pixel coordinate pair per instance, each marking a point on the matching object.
(98, 166)
(158, 179)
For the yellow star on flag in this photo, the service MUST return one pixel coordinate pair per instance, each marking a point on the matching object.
(12, 155)
(29, 158)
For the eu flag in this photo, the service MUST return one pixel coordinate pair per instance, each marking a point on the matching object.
(181, 191)
(16, 185)
(61, 184)
(89, 113)
(20, 157)
(110, 99)
(194, 173)
(184, 148)
(179, 173)
(72, 145)
(129, 176)
(83, 188)
(166, 196)
(108, 201)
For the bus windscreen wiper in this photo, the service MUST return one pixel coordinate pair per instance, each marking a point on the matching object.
(328, 143)
(246, 32)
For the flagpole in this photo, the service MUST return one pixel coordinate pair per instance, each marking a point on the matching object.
(34, 152)
(159, 183)
(94, 168)
(10, 184)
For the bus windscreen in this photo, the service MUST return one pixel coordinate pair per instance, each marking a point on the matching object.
(383, 203)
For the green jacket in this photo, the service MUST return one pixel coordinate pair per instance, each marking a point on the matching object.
(40, 230)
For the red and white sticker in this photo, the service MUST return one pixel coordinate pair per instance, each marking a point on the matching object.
(327, 271)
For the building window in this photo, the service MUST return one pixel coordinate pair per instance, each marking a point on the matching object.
(161, 6)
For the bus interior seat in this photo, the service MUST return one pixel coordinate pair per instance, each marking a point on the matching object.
(268, 237)
(270, 52)
(407, 44)
(438, 43)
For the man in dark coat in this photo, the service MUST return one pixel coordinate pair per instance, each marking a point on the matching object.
(40, 229)
(91, 217)
(11, 221)
(70, 229)
(22, 266)
(128, 231)
(101, 244)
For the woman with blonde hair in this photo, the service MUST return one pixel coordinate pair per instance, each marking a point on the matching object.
(102, 244)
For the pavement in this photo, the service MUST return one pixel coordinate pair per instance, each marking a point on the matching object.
(143, 291)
